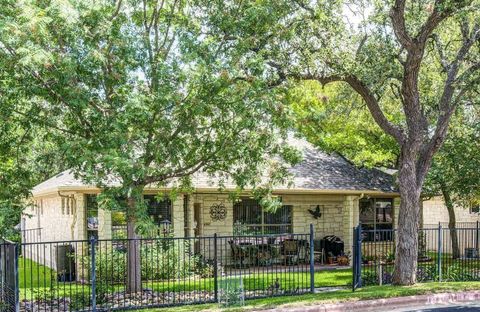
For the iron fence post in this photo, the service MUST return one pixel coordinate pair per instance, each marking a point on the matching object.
(354, 257)
(439, 252)
(358, 256)
(476, 238)
(215, 268)
(17, 248)
(93, 242)
(312, 260)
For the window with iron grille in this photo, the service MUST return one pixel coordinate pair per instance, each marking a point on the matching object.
(250, 218)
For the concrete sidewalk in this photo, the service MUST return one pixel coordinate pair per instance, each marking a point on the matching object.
(386, 304)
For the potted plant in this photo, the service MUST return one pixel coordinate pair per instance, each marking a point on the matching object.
(343, 259)
(330, 258)
(368, 259)
(390, 258)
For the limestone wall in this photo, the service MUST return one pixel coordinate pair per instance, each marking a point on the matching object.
(434, 211)
(339, 215)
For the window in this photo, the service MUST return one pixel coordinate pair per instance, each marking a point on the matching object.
(250, 218)
(376, 214)
(63, 206)
(158, 210)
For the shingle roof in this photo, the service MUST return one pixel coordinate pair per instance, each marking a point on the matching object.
(317, 171)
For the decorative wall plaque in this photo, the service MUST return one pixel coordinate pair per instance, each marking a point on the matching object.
(218, 212)
(316, 212)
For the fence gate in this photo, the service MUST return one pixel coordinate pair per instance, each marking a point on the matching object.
(357, 257)
(8, 277)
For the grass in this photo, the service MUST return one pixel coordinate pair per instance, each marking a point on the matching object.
(372, 292)
(39, 280)
(32, 274)
(334, 278)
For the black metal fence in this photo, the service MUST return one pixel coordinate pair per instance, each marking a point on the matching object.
(444, 255)
(92, 275)
(31, 235)
(8, 276)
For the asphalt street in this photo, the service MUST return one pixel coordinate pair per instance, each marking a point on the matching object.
(454, 307)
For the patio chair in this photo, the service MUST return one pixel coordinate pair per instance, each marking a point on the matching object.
(318, 251)
(239, 255)
(290, 251)
(264, 255)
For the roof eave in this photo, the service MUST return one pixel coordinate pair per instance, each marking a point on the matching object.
(278, 191)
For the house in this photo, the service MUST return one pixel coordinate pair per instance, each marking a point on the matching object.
(435, 212)
(328, 191)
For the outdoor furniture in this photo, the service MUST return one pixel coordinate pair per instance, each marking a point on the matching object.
(265, 254)
(239, 254)
(290, 251)
(303, 250)
(318, 251)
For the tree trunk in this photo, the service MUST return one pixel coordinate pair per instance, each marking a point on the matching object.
(452, 222)
(134, 270)
(406, 253)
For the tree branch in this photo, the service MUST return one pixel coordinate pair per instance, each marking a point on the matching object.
(441, 52)
(368, 97)
(397, 14)
(447, 108)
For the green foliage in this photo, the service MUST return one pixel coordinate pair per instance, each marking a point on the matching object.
(146, 95)
(455, 168)
(82, 300)
(458, 273)
(163, 259)
(231, 292)
(337, 121)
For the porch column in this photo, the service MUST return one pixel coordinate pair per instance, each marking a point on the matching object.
(104, 224)
(396, 208)
(350, 219)
(191, 216)
(78, 224)
(178, 220)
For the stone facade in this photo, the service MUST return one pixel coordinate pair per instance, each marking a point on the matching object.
(59, 219)
(434, 211)
(339, 215)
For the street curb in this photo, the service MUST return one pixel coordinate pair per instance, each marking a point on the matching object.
(386, 304)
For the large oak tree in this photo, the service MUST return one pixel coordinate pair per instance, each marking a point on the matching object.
(423, 55)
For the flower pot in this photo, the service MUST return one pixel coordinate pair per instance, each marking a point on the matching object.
(342, 260)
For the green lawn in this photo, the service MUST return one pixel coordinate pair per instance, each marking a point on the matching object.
(31, 274)
(36, 279)
(372, 292)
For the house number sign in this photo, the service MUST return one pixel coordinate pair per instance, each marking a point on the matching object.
(218, 212)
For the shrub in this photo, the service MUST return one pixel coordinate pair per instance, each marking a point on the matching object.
(427, 273)
(203, 268)
(160, 260)
(231, 292)
(79, 301)
(167, 259)
(459, 273)
(83, 300)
